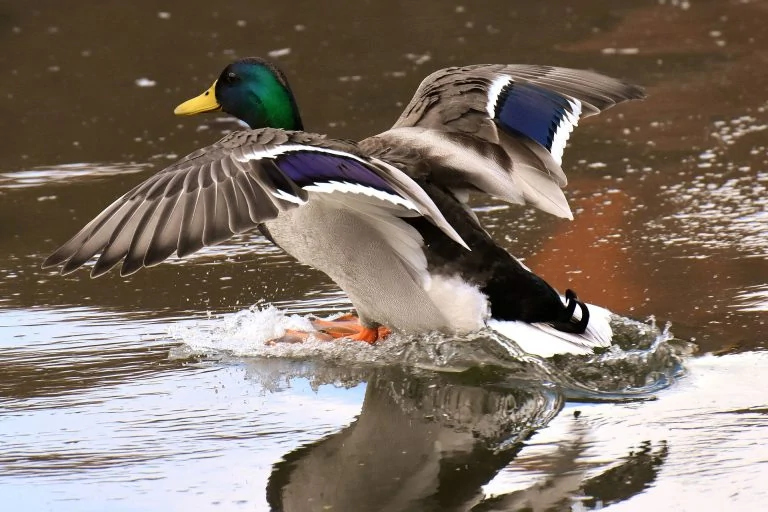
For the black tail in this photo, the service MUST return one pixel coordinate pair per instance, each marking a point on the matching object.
(513, 291)
(567, 322)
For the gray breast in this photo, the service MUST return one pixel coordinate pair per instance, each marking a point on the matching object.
(374, 256)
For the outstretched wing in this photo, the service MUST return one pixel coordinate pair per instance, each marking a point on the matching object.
(503, 128)
(229, 187)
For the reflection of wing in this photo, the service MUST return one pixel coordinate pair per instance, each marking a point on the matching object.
(502, 129)
(229, 187)
(566, 481)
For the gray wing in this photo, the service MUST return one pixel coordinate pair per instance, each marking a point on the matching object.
(229, 187)
(502, 129)
(525, 98)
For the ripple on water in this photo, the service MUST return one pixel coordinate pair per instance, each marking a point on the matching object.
(65, 173)
(725, 204)
(87, 402)
(51, 357)
(706, 435)
(716, 214)
(752, 299)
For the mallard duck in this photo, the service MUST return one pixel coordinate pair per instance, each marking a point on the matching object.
(386, 218)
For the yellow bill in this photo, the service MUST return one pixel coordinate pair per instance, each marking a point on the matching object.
(206, 102)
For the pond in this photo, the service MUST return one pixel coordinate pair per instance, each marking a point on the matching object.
(150, 392)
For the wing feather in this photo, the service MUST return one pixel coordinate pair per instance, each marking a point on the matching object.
(232, 186)
(120, 241)
(492, 127)
(165, 240)
(190, 237)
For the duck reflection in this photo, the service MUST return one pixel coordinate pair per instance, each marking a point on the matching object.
(425, 442)
(430, 441)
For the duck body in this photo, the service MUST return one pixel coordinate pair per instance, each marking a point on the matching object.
(387, 218)
(385, 273)
(423, 280)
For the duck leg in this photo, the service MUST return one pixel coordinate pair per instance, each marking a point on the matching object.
(345, 325)
(370, 335)
(349, 327)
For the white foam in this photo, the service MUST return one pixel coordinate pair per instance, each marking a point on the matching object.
(242, 333)
(249, 333)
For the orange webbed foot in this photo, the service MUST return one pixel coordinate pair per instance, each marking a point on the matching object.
(340, 327)
(349, 327)
(367, 334)
(371, 335)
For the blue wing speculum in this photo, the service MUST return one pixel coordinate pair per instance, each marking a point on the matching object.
(328, 172)
(536, 112)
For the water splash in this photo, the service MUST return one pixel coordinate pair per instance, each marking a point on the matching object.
(643, 360)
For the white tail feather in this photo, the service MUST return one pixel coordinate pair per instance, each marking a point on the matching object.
(545, 341)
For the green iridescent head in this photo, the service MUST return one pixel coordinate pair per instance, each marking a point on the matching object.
(253, 90)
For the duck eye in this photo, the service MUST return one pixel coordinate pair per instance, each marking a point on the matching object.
(232, 77)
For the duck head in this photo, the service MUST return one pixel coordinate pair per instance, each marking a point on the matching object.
(254, 91)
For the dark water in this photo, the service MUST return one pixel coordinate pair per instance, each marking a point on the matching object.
(137, 394)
